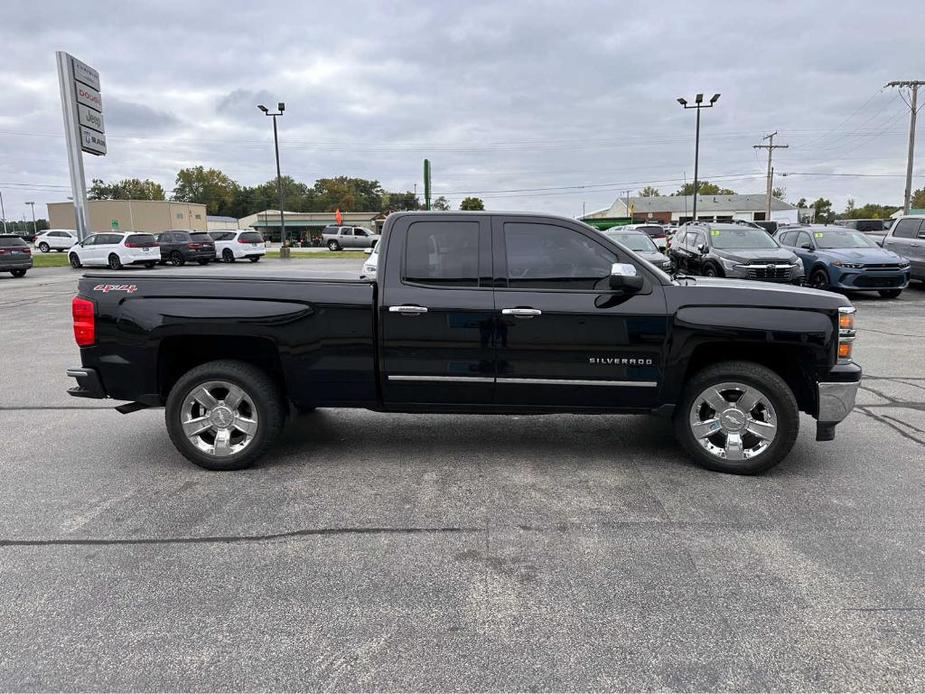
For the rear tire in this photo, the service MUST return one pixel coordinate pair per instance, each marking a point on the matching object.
(115, 263)
(203, 262)
(767, 387)
(44, 247)
(74, 260)
(257, 387)
(18, 273)
(227, 256)
(333, 245)
(890, 293)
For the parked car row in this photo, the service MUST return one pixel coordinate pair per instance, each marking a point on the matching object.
(177, 247)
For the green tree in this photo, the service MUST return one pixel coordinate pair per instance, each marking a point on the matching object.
(706, 188)
(824, 213)
(396, 202)
(344, 193)
(918, 199)
(649, 192)
(472, 203)
(209, 187)
(441, 204)
(802, 203)
(126, 189)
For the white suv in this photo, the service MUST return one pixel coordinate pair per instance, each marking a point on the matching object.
(115, 250)
(231, 245)
(55, 240)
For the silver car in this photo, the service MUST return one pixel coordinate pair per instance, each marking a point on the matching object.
(642, 244)
(338, 237)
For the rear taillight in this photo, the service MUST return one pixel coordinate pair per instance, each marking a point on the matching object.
(192, 246)
(84, 314)
(5, 251)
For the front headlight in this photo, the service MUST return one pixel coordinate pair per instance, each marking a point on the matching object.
(903, 263)
(847, 266)
(728, 264)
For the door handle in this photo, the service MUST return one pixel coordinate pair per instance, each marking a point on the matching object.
(408, 310)
(521, 312)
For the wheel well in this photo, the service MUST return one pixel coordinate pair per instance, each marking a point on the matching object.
(179, 354)
(787, 361)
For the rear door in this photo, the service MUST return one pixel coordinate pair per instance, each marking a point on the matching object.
(565, 338)
(908, 240)
(436, 312)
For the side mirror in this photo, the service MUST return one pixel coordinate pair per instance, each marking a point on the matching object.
(625, 276)
(806, 246)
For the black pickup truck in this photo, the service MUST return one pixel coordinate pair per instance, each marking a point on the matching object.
(472, 313)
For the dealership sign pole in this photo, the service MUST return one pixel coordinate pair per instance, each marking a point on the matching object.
(84, 129)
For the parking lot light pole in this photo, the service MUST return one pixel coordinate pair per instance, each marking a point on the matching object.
(32, 205)
(2, 213)
(284, 249)
(698, 104)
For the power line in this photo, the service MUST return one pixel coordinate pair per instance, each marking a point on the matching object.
(770, 147)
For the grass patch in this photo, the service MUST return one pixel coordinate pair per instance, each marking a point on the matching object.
(325, 255)
(52, 259)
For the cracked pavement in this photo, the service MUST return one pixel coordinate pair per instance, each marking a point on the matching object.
(385, 552)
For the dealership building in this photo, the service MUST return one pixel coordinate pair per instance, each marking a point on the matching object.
(677, 209)
(130, 215)
(305, 225)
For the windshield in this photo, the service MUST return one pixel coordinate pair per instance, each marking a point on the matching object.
(745, 238)
(635, 242)
(652, 230)
(842, 239)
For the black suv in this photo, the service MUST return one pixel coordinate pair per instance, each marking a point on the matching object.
(179, 247)
(734, 250)
(15, 255)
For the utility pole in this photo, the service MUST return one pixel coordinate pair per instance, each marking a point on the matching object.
(2, 213)
(770, 147)
(32, 205)
(913, 107)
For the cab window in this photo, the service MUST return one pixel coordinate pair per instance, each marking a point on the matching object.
(444, 254)
(545, 256)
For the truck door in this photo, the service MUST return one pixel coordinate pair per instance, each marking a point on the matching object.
(565, 339)
(436, 312)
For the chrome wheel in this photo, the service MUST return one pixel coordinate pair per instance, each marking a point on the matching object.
(733, 421)
(219, 418)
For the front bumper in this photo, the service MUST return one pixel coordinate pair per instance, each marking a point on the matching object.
(836, 400)
(872, 280)
(88, 384)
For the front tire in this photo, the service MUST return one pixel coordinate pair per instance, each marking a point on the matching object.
(890, 293)
(176, 258)
(44, 247)
(737, 417)
(819, 279)
(74, 260)
(115, 263)
(711, 270)
(227, 256)
(224, 415)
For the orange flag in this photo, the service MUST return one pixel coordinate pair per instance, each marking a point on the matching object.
(339, 218)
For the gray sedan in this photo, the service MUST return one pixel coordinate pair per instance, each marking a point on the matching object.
(642, 244)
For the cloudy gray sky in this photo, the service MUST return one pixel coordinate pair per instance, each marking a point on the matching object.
(532, 105)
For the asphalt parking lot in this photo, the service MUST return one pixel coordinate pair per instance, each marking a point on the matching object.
(424, 552)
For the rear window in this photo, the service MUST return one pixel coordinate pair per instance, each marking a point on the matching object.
(222, 235)
(142, 239)
(10, 241)
(250, 237)
(655, 231)
(869, 225)
(201, 237)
